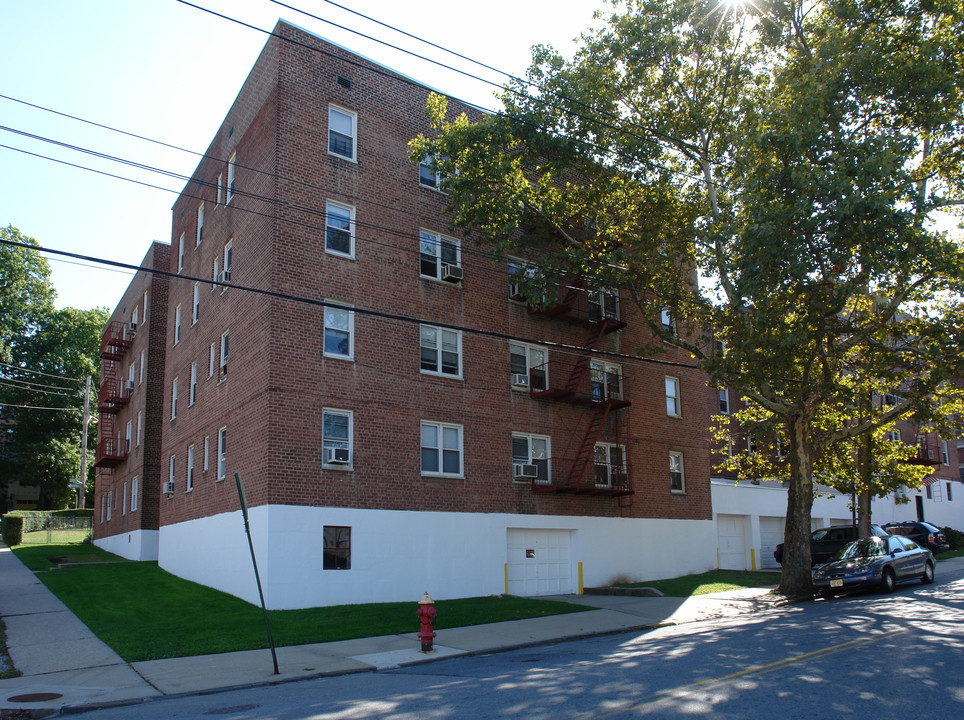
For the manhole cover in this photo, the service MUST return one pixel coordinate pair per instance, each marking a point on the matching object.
(232, 709)
(34, 697)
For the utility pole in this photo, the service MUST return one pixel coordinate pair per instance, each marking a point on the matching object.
(81, 492)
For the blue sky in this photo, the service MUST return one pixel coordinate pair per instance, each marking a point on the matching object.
(167, 71)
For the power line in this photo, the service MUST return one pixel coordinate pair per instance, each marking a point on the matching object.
(28, 370)
(38, 407)
(34, 387)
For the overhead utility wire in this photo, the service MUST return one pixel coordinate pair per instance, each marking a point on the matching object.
(38, 372)
(38, 388)
(355, 309)
(37, 407)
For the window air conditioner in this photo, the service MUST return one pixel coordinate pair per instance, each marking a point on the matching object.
(337, 456)
(223, 371)
(169, 487)
(224, 276)
(132, 327)
(129, 385)
(452, 273)
(523, 470)
(515, 292)
(520, 380)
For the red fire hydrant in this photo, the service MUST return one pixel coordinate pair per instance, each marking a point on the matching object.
(426, 616)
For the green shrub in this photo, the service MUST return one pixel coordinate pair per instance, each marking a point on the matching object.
(955, 538)
(12, 530)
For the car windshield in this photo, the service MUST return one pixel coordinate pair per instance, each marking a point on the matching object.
(864, 548)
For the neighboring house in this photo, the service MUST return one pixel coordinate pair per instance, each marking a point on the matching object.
(129, 404)
(385, 447)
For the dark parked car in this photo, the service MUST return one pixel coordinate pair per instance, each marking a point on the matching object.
(922, 533)
(827, 541)
(874, 562)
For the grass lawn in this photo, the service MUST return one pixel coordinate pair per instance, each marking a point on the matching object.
(145, 613)
(950, 554)
(711, 582)
(46, 557)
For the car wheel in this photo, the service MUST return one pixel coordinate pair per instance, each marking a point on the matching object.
(827, 594)
(887, 581)
(928, 577)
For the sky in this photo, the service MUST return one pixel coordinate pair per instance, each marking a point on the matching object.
(167, 71)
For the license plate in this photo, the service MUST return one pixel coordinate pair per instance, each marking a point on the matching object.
(836, 583)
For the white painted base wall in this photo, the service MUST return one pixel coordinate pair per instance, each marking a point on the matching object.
(397, 556)
(136, 545)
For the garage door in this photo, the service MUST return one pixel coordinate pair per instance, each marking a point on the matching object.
(771, 535)
(731, 531)
(539, 562)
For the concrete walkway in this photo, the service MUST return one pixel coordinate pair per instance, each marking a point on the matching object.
(65, 666)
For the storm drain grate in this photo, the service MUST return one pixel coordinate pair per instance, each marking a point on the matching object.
(34, 697)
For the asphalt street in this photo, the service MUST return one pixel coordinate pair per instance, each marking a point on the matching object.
(896, 656)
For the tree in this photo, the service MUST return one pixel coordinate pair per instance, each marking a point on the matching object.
(47, 353)
(795, 154)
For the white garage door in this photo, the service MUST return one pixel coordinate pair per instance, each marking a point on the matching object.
(771, 535)
(539, 562)
(731, 531)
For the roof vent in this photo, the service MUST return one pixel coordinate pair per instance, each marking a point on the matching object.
(343, 81)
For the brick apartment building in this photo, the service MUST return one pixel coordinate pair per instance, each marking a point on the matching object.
(386, 447)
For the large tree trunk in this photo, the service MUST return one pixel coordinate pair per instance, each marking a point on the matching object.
(795, 579)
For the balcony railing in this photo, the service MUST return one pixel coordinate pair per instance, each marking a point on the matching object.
(111, 452)
(581, 382)
(113, 395)
(118, 336)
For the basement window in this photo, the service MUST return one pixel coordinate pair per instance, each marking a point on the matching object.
(337, 550)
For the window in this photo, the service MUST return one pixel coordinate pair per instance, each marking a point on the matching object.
(180, 253)
(134, 318)
(337, 550)
(890, 400)
(130, 376)
(124, 500)
(725, 401)
(177, 324)
(609, 462)
(667, 321)
(110, 496)
(231, 177)
(436, 252)
(143, 363)
(336, 434)
(518, 269)
(893, 435)
(200, 224)
(207, 455)
(130, 434)
(603, 304)
(340, 229)
(339, 331)
(927, 490)
(135, 488)
(140, 426)
(528, 366)
(440, 351)
(145, 306)
(677, 483)
(441, 449)
(228, 247)
(211, 358)
(190, 469)
(223, 367)
(673, 407)
(428, 175)
(751, 444)
(605, 381)
(222, 453)
(174, 399)
(945, 457)
(171, 470)
(196, 304)
(949, 496)
(342, 125)
(192, 394)
(530, 450)
(216, 275)
(220, 188)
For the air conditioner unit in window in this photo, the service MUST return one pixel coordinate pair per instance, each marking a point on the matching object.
(132, 327)
(515, 292)
(337, 456)
(223, 371)
(129, 385)
(520, 380)
(169, 487)
(452, 273)
(523, 470)
(224, 276)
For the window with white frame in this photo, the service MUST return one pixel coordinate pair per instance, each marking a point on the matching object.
(436, 253)
(226, 273)
(603, 304)
(145, 306)
(677, 482)
(174, 399)
(518, 269)
(190, 469)
(441, 449)
(131, 370)
(342, 127)
(180, 253)
(207, 454)
(673, 406)
(220, 188)
(140, 426)
(196, 304)
(605, 380)
(212, 357)
(751, 444)
(200, 225)
(231, 177)
(339, 332)
(893, 435)
(216, 274)
(336, 438)
(945, 456)
(609, 464)
(140, 379)
(528, 367)
(129, 437)
(667, 321)
(724, 401)
(223, 365)
(135, 489)
(429, 175)
(440, 351)
(134, 318)
(172, 470)
(124, 499)
(192, 394)
(222, 452)
(949, 496)
(340, 229)
(530, 453)
(177, 324)
(110, 497)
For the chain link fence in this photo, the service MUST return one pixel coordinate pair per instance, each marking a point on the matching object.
(57, 530)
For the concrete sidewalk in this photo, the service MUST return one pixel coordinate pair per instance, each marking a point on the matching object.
(65, 666)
